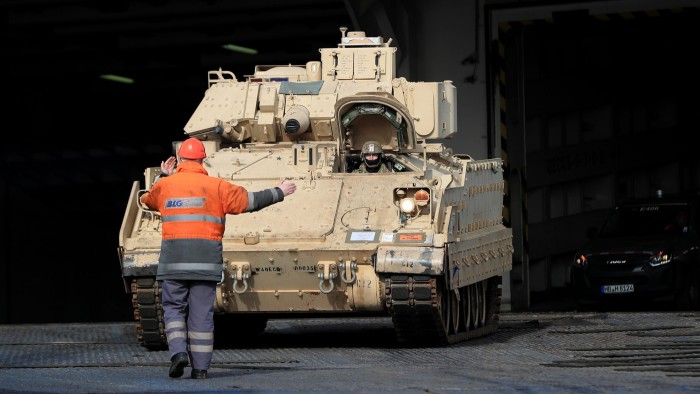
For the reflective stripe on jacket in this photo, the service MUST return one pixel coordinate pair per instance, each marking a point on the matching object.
(193, 207)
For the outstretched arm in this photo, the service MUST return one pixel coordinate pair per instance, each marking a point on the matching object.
(267, 197)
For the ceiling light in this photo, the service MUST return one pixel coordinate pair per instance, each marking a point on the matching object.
(236, 48)
(117, 78)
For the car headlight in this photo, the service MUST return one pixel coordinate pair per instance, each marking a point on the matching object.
(659, 258)
(581, 261)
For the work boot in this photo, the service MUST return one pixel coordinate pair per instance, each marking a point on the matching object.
(178, 362)
(199, 374)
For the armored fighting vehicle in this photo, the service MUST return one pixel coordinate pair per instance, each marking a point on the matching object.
(423, 243)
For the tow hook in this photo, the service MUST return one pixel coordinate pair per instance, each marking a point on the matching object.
(344, 268)
(327, 272)
(240, 273)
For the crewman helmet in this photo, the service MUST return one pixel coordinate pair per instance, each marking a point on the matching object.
(372, 148)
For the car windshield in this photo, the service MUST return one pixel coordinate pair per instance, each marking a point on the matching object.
(639, 220)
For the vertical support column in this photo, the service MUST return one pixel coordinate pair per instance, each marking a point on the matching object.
(513, 153)
(5, 258)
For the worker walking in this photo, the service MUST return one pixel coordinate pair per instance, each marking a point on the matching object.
(193, 207)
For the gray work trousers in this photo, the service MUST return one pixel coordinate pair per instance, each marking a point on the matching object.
(188, 310)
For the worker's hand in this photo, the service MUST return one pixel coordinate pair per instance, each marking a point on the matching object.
(286, 187)
(168, 166)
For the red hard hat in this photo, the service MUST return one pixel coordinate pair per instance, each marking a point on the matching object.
(192, 149)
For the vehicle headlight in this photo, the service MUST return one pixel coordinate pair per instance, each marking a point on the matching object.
(407, 205)
(660, 258)
(581, 261)
(412, 201)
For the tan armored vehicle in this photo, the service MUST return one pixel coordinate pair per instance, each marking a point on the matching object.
(423, 242)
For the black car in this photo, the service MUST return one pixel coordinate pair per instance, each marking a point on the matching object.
(647, 250)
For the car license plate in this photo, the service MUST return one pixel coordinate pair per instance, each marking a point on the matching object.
(617, 289)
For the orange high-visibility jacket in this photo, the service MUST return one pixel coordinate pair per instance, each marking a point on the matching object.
(193, 207)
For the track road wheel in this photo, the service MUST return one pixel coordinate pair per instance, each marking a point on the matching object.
(474, 305)
(481, 290)
(445, 305)
(464, 303)
(455, 308)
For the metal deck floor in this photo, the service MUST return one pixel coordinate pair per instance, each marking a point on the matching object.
(542, 352)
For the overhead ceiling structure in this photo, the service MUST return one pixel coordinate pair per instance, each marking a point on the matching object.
(161, 40)
(156, 41)
(67, 59)
(55, 54)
